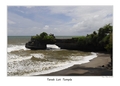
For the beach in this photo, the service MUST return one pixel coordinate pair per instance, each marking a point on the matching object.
(98, 66)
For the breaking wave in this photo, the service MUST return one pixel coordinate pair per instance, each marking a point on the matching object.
(52, 46)
(22, 61)
(16, 48)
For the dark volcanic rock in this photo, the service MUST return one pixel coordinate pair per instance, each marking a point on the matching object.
(35, 45)
(70, 44)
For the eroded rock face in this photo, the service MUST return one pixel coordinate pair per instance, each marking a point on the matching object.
(35, 45)
(70, 44)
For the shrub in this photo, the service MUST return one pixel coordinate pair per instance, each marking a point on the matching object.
(44, 38)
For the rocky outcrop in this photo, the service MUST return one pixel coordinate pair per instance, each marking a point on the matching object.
(35, 45)
(70, 44)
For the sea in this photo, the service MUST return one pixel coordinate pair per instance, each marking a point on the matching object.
(25, 62)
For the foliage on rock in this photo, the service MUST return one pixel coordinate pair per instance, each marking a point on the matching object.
(44, 38)
(97, 41)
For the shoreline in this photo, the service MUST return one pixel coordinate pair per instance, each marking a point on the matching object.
(96, 67)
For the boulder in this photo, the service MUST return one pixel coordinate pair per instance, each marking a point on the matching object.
(35, 45)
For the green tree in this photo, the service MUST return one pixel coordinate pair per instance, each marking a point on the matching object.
(96, 41)
(44, 38)
(43, 34)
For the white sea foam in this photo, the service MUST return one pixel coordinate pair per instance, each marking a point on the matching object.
(16, 48)
(39, 55)
(64, 65)
(52, 46)
(22, 47)
(84, 59)
(12, 58)
(22, 65)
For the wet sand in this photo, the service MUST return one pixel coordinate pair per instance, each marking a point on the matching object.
(96, 67)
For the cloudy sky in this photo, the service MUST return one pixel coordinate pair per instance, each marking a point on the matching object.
(58, 20)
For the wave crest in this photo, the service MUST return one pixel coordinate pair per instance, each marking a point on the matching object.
(16, 48)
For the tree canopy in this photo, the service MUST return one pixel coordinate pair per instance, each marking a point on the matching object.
(97, 41)
(44, 38)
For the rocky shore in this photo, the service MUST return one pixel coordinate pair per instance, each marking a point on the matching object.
(100, 66)
(70, 44)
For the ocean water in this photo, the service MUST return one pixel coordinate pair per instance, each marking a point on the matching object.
(25, 62)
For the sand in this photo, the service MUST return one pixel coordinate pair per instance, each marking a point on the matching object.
(96, 67)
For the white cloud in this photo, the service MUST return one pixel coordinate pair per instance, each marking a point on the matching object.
(83, 20)
(95, 16)
(78, 24)
(91, 15)
(10, 22)
(29, 6)
(46, 26)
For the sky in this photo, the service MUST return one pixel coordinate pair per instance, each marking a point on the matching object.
(58, 20)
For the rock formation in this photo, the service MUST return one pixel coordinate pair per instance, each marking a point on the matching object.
(70, 44)
(35, 45)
